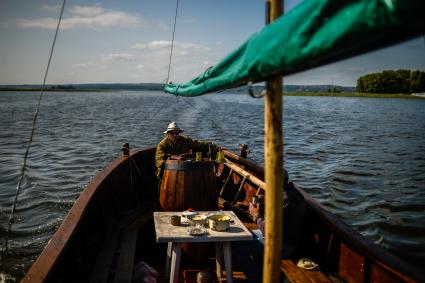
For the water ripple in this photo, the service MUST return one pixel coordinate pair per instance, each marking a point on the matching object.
(364, 159)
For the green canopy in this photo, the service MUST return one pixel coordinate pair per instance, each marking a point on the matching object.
(314, 33)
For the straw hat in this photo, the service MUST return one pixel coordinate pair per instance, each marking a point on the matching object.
(173, 127)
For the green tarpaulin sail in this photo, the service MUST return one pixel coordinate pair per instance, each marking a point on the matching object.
(314, 33)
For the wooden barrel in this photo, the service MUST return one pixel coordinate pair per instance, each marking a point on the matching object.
(188, 184)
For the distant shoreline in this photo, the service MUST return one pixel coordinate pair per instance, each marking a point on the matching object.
(257, 88)
(71, 90)
(57, 90)
(286, 93)
(355, 94)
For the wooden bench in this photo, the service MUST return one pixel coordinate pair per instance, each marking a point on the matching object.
(115, 260)
(295, 274)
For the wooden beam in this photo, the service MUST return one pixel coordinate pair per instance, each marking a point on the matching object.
(225, 183)
(250, 177)
(239, 190)
(273, 151)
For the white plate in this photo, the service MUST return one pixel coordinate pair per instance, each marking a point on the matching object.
(197, 231)
(189, 213)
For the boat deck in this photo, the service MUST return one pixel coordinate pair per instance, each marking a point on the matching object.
(129, 235)
(110, 229)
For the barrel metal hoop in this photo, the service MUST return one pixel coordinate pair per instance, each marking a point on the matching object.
(189, 166)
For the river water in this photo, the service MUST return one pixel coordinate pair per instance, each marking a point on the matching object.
(363, 158)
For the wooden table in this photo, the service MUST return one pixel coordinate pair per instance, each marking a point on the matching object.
(174, 235)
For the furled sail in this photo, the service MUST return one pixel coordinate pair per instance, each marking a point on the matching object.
(314, 33)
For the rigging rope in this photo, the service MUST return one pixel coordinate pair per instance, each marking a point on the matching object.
(156, 111)
(34, 122)
(168, 75)
(172, 43)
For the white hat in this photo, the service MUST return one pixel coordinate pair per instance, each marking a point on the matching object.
(173, 127)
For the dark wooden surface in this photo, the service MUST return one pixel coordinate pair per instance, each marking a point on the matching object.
(117, 256)
(106, 255)
(295, 274)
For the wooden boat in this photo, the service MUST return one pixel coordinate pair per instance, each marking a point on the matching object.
(110, 228)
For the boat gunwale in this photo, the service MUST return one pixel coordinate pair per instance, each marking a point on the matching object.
(52, 252)
(370, 250)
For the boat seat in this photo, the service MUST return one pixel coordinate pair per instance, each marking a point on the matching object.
(115, 260)
(295, 274)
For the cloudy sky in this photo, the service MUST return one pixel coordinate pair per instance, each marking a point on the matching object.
(129, 42)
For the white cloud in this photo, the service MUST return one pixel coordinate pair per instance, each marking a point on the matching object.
(148, 62)
(139, 46)
(164, 44)
(94, 17)
(160, 44)
(87, 11)
(51, 8)
(117, 58)
(189, 60)
(81, 65)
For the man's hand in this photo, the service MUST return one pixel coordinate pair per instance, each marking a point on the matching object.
(254, 210)
(186, 155)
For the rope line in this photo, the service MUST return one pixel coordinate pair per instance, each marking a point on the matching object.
(155, 112)
(172, 43)
(34, 122)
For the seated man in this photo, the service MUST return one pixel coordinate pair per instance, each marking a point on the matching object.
(249, 255)
(294, 211)
(176, 144)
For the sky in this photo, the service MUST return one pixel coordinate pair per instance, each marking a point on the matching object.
(129, 42)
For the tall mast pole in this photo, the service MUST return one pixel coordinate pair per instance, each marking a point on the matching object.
(273, 151)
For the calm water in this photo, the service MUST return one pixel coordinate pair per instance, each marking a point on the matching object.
(364, 159)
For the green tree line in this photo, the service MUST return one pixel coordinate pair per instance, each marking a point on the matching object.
(400, 81)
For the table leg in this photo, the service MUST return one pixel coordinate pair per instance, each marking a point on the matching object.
(218, 258)
(227, 251)
(168, 260)
(175, 263)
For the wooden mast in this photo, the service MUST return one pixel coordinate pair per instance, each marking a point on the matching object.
(273, 151)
